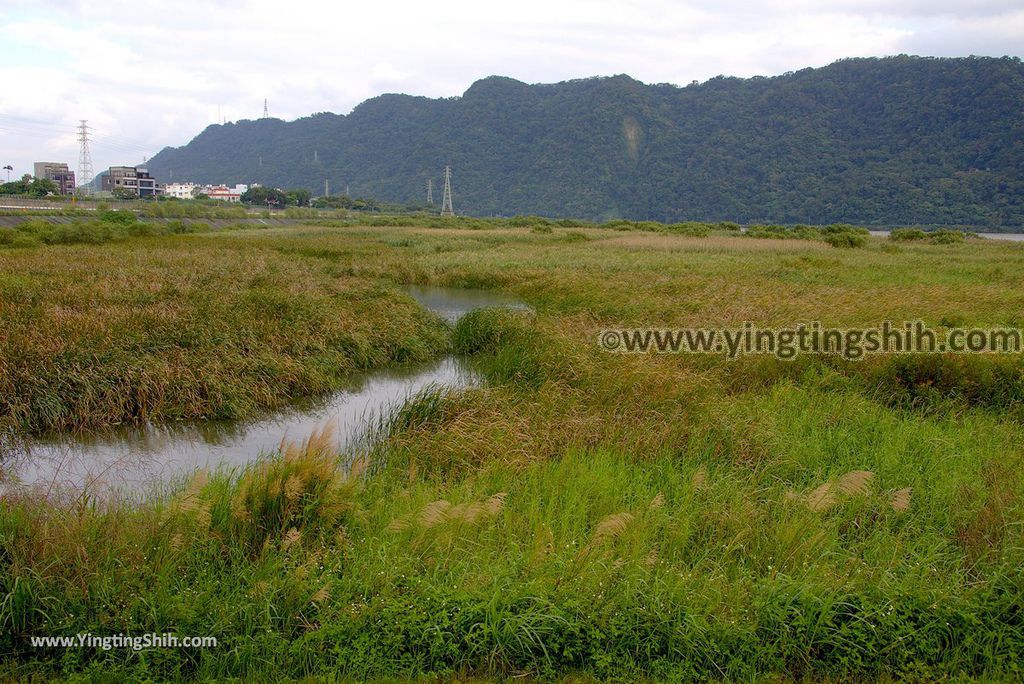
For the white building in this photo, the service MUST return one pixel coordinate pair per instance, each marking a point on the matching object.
(223, 193)
(181, 190)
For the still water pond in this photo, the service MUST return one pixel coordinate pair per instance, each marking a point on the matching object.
(130, 458)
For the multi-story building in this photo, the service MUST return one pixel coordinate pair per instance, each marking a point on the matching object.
(58, 173)
(134, 178)
(223, 193)
(182, 190)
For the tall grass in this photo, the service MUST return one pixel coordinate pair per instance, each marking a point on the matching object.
(621, 517)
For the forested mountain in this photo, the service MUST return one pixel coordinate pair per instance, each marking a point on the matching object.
(901, 140)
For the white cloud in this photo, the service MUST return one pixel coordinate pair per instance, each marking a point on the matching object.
(147, 73)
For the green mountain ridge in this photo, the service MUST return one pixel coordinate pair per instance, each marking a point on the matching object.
(875, 141)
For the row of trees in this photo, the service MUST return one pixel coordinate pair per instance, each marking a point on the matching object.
(30, 187)
(272, 197)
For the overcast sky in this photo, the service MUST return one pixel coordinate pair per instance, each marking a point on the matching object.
(149, 73)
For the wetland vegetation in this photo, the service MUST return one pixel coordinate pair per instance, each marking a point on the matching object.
(580, 514)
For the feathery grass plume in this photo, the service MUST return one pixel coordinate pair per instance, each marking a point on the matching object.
(658, 501)
(611, 527)
(299, 488)
(700, 478)
(321, 596)
(822, 498)
(856, 482)
(190, 506)
(292, 488)
(494, 503)
(476, 511)
(291, 538)
(434, 513)
(399, 524)
(901, 500)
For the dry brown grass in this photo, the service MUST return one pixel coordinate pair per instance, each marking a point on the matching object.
(709, 245)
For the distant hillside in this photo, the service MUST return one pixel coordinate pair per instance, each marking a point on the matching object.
(902, 140)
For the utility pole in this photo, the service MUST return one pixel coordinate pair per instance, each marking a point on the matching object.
(446, 201)
(430, 192)
(84, 158)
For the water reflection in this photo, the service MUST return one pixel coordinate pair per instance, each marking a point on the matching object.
(129, 458)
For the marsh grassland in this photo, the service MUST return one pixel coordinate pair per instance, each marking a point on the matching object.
(582, 515)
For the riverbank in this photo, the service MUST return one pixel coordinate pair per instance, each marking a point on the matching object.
(170, 329)
(583, 513)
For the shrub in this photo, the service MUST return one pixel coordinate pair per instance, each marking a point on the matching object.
(846, 240)
(121, 217)
(838, 228)
(690, 228)
(907, 234)
(945, 237)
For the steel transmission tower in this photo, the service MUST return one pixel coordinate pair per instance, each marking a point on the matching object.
(266, 114)
(446, 201)
(430, 191)
(84, 158)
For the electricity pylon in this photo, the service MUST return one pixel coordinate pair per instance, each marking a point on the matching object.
(446, 201)
(84, 158)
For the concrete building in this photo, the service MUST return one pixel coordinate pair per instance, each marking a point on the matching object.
(182, 190)
(134, 178)
(58, 173)
(224, 193)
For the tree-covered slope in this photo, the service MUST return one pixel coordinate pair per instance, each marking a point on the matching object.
(897, 140)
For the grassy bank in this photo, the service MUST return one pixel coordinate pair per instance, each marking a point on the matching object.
(151, 327)
(584, 514)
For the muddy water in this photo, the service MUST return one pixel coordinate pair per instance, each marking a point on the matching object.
(133, 458)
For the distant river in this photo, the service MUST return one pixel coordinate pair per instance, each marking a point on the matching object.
(1011, 237)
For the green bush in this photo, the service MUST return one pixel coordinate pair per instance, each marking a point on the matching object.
(907, 235)
(690, 228)
(846, 240)
(121, 217)
(945, 237)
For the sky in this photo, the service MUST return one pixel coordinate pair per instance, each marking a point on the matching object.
(150, 73)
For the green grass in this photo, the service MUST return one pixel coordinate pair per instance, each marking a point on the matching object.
(581, 515)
